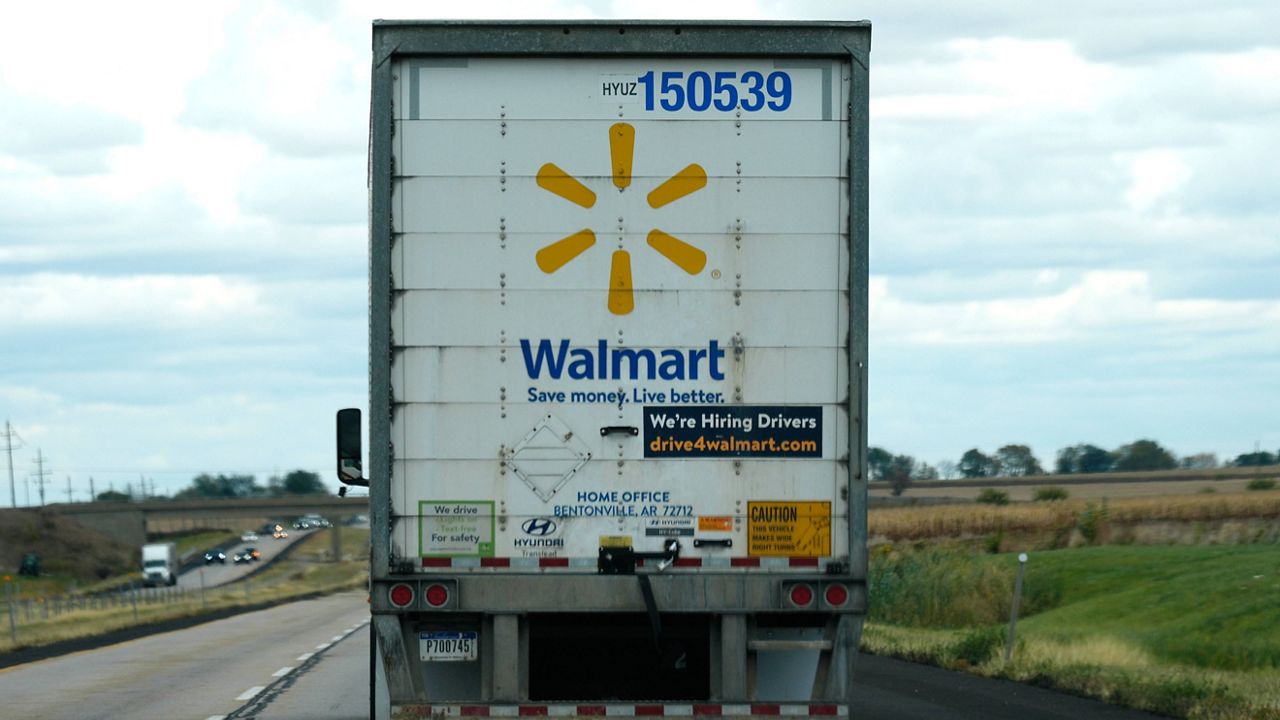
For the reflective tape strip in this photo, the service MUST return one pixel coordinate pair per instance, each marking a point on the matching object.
(689, 563)
(683, 710)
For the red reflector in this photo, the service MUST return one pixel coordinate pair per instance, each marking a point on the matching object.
(401, 595)
(837, 595)
(744, 562)
(495, 562)
(801, 595)
(437, 595)
(437, 562)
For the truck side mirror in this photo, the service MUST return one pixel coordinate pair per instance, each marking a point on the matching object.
(350, 450)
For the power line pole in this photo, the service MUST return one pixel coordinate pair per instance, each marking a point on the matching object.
(92, 495)
(40, 473)
(9, 435)
(68, 489)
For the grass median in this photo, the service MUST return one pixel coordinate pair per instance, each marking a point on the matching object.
(1186, 631)
(305, 572)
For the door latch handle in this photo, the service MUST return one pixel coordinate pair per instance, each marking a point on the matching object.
(616, 429)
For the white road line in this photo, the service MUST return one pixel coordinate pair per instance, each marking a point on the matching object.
(215, 717)
(335, 638)
(251, 692)
(304, 657)
(322, 646)
(282, 671)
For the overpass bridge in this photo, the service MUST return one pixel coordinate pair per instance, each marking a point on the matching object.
(130, 522)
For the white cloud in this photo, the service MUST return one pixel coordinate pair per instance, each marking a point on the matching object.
(1157, 174)
(156, 301)
(988, 77)
(1099, 306)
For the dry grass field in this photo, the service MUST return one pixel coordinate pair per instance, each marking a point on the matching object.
(1237, 517)
(1090, 487)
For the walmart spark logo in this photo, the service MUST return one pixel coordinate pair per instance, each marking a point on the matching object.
(622, 137)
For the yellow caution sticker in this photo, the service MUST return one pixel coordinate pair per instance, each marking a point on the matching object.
(789, 529)
(715, 523)
(615, 541)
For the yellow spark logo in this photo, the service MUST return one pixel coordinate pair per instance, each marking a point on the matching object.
(622, 140)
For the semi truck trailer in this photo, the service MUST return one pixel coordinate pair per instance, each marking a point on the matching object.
(618, 366)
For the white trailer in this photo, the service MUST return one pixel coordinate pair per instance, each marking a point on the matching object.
(618, 312)
(159, 564)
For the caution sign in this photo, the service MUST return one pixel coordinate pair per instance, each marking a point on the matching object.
(789, 529)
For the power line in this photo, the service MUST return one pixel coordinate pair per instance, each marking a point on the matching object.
(9, 435)
(40, 473)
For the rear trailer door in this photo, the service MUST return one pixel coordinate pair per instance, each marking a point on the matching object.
(620, 311)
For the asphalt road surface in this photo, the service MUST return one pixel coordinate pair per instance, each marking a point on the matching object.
(310, 660)
(218, 574)
(206, 671)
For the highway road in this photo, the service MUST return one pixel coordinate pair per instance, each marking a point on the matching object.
(217, 574)
(310, 660)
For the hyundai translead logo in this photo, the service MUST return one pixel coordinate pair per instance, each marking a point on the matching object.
(622, 139)
(538, 527)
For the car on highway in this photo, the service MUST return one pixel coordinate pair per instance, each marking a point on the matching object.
(307, 522)
(242, 556)
(279, 533)
(215, 555)
(254, 553)
(248, 536)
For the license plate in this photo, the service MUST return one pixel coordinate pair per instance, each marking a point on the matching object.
(448, 646)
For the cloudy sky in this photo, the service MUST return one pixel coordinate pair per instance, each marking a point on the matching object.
(1075, 229)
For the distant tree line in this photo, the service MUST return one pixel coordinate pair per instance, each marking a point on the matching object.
(1018, 460)
(204, 485)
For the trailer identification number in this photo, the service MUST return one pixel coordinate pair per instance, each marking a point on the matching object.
(699, 91)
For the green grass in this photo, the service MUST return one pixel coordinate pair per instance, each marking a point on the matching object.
(1213, 607)
(1189, 631)
(203, 540)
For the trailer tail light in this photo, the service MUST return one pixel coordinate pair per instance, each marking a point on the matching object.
(437, 595)
(836, 595)
(400, 595)
(798, 595)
